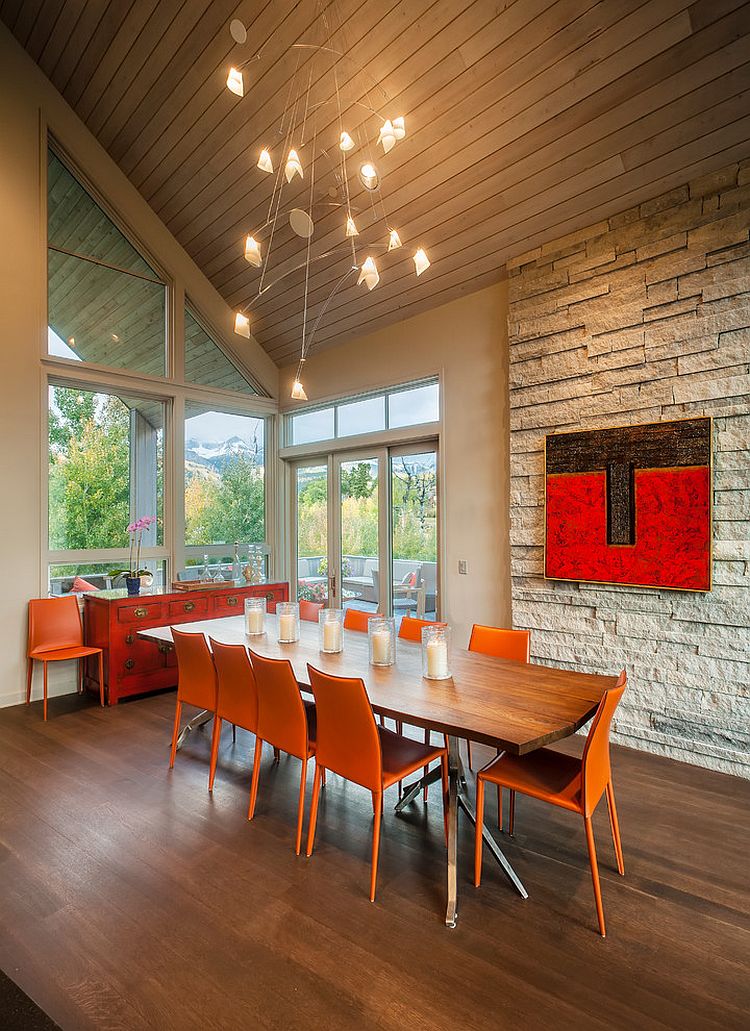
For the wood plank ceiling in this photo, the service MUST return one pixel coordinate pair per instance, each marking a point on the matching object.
(525, 120)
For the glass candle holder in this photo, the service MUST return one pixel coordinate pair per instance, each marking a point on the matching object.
(381, 636)
(288, 617)
(331, 631)
(436, 652)
(255, 616)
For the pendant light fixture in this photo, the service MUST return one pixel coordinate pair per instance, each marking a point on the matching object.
(252, 252)
(351, 229)
(399, 129)
(394, 240)
(421, 262)
(346, 143)
(235, 82)
(298, 391)
(368, 173)
(293, 166)
(264, 161)
(368, 274)
(387, 136)
(242, 325)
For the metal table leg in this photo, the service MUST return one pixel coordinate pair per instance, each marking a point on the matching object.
(197, 721)
(451, 912)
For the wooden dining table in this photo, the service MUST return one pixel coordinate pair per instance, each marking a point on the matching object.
(513, 707)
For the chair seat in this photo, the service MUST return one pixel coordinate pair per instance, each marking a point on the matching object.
(551, 776)
(59, 654)
(403, 755)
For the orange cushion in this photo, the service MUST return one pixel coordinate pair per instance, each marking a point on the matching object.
(79, 584)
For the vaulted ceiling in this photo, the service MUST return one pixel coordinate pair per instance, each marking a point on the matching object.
(525, 120)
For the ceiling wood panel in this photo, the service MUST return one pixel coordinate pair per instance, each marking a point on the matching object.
(526, 119)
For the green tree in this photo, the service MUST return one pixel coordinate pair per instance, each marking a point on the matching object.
(230, 508)
(357, 482)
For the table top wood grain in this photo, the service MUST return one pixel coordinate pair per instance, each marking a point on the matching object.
(510, 705)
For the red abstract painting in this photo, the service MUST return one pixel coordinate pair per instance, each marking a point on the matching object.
(631, 505)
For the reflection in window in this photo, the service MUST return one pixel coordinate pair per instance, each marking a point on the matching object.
(106, 305)
(106, 468)
(224, 477)
(206, 363)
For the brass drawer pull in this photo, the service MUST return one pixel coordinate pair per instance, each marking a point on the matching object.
(189, 606)
(163, 647)
(269, 595)
(140, 613)
(129, 639)
(129, 663)
(232, 601)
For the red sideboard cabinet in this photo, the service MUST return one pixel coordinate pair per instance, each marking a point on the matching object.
(133, 666)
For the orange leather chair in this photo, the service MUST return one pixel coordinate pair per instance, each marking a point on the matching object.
(349, 742)
(196, 682)
(565, 781)
(356, 619)
(309, 610)
(284, 721)
(502, 644)
(237, 695)
(56, 635)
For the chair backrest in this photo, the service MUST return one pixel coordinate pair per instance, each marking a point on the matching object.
(309, 610)
(282, 720)
(237, 690)
(196, 673)
(411, 628)
(54, 623)
(357, 619)
(347, 740)
(596, 767)
(501, 643)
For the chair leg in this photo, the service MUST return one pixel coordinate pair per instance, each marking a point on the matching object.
(79, 675)
(234, 732)
(595, 873)
(615, 828)
(29, 675)
(478, 833)
(44, 664)
(175, 732)
(499, 808)
(512, 812)
(319, 778)
(301, 806)
(256, 777)
(426, 769)
(377, 804)
(101, 679)
(215, 737)
(276, 754)
(444, 784)
(468, 750)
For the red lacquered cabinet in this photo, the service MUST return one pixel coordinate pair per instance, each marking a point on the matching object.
(133, 666)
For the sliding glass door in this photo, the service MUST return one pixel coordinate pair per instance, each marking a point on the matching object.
(365, 530)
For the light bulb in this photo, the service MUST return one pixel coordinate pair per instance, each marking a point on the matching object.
(264, 161)
(387, 136)
(242, 325)
(346, 143)
(293, 166)
(368, 274)
(369, 176)
(298, 391)
(351, 229)
(252, 252)
(399, 129)
(394, 240)
(421, 262)
(235, 82)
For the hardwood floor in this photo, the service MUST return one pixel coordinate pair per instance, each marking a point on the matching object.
(130, 899)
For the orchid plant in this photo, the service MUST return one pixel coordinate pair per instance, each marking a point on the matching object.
(135, 532)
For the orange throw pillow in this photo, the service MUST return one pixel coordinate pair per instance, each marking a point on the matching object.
(79, 584)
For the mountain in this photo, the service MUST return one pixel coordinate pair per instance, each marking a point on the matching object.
(217, 454)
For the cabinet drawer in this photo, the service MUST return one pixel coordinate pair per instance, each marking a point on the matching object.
(137, 657)
(229, 604)
(141, 612)
(275, 595)
(195, 608)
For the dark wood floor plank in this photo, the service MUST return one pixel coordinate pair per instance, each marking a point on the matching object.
(130, 899)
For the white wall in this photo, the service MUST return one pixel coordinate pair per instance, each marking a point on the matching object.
(29, 103)
(464, 341)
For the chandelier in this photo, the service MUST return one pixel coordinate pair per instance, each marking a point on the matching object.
(325, 159)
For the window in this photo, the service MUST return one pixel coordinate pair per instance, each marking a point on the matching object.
(106, 305)
(412, 405)
(205, 362)
(224, 482)
(106, 468)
